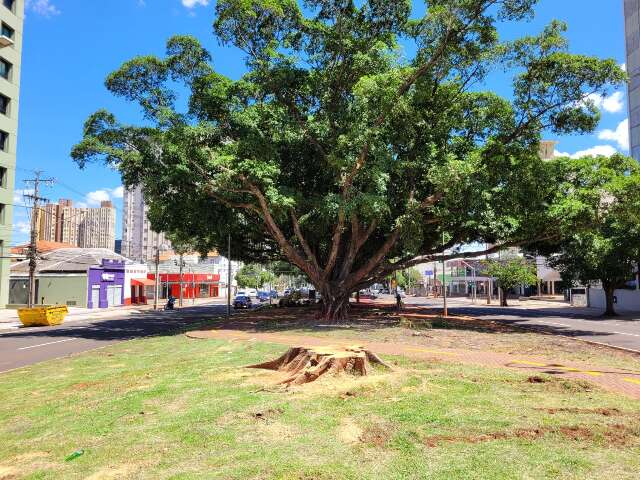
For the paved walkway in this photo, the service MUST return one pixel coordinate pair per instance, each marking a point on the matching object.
(612, 379)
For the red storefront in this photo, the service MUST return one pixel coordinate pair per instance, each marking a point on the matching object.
(194, 285)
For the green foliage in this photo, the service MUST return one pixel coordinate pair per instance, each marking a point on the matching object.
(254, 276)
(336, 151)
(511, 273)
(608, 199)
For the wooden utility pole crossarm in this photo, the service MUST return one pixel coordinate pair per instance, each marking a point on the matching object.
(32, 254)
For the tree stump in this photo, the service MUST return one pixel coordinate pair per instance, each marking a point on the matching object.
(307, 364)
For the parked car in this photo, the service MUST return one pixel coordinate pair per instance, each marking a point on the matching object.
(385, 291)
(366, 294)
(263, 296)
(242, 301)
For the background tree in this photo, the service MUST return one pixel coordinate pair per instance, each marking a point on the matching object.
(339, 152)
(608, 251)
(510, 274)
(254, 276)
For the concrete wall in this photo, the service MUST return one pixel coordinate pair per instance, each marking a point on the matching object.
(61, 289)
(9, 123)
(628, 300)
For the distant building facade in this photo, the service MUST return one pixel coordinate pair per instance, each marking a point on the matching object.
(80, 227)
(139, 241)
(12, 19)
(632, 42)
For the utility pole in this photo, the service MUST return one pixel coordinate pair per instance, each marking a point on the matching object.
(229, 277)
(156, 290)
(33, 244)
(181, 282)
(444, 285)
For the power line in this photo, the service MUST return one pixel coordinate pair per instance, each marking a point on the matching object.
(33, 250)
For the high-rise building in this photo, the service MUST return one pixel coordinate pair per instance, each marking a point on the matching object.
(11, 22)
(139, 241)
(80, 227)
(632, 42)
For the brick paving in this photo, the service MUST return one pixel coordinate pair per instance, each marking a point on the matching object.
(612, 379)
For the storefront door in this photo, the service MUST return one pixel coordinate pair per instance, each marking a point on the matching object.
(95, 297)
(114, 295)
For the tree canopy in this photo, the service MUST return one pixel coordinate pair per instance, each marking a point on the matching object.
(608, 251)
(254, 276)
(510, 273)
(359, 135)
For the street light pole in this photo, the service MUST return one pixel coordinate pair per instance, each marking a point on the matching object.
(181, 279)
(229, 277)
(444, 285)
(156, 290)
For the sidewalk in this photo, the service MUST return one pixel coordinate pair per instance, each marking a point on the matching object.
(9, 318)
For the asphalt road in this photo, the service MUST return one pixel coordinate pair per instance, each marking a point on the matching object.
(562, 319)
(23, 347)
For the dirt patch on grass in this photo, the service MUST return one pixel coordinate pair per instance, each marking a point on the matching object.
(618, 434)
(8, 473)
(349, 431)
(376, 434)
(126, 471)
(268, 414)
(607, 412)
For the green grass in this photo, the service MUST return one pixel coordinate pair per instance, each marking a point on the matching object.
(171, 407)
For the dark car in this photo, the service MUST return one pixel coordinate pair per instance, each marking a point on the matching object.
(242, 301)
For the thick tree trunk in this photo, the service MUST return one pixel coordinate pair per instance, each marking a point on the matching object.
(503, 297)
(608, 295)
(335, 307)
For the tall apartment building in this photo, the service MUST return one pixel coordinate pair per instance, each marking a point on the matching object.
(11, 22)
(139, 241)
(81, 227)
(632, 42)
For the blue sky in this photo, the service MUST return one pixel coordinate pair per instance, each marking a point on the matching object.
(71, 45)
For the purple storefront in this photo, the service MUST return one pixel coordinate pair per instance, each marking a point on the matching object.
(106, 285)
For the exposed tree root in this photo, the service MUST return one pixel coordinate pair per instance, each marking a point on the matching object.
(307, 364)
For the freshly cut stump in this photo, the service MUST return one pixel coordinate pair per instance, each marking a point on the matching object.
(307, 364)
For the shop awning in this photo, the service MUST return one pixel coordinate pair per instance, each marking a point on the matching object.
(142, 282)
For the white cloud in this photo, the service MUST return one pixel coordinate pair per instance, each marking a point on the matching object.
(117, 192)
(620, 135)
(22, 227)
(42, 7)
(612, 104)
(604, 150)
(93, 199)
(195, 3)
(18, 196)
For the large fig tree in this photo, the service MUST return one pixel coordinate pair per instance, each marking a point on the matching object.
(359, 141)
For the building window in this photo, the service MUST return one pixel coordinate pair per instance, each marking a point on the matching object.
(3, 208)
(9, 4)
(4, 140)
(7, 31)
(5, 69)
(3, 177)
(4, 104)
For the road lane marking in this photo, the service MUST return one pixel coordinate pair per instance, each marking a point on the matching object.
(629, 334)
(554, 323)
(535, 364)
(48, 343)
(632, 380)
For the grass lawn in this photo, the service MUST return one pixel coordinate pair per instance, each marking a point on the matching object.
(171, 407)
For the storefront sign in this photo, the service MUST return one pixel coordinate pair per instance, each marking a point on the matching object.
(108, 277)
